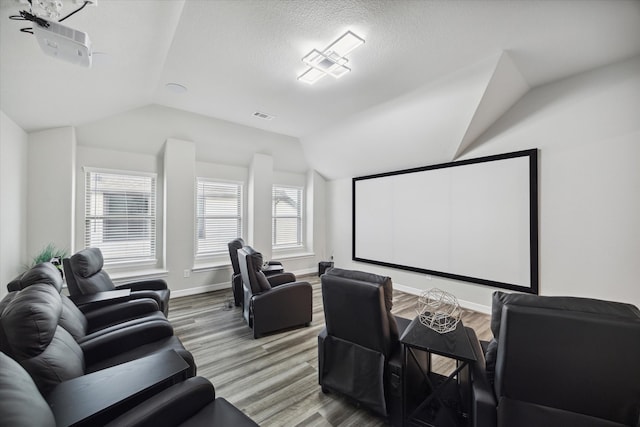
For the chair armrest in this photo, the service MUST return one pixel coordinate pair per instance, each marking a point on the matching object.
(279, 279)
(145, 285)
(93, 301)
(285, 294)
(272, 262)
(121, 312)
(483, 400)
(97, 398)
(280, 307)
(171, 406)
(122, 340)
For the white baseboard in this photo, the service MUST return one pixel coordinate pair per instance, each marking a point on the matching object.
(465, 304)
(200, 290)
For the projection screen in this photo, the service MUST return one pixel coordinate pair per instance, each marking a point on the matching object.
(472, 220)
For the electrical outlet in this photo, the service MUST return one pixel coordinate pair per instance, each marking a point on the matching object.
(187, 273)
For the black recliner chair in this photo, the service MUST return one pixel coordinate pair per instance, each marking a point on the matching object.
(31, 332)
(91, 323)
(558, 361)
(85, 276)
(275, 303)
(359, 352)
(192, 402)
(272, 268)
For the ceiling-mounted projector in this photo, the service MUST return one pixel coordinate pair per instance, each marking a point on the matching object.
(63, 42)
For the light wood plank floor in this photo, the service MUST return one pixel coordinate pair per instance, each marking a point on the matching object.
(274, 379)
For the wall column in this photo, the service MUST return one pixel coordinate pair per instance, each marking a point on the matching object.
(179, 210)
(51, 190)
(259, 190)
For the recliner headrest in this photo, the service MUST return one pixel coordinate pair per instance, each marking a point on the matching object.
(578, 304)
(87, 262)
(236, 243)
(30, 320)
(363, 276)
(45, 272)
(255, 256)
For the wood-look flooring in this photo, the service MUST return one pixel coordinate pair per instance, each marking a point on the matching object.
(274, 379)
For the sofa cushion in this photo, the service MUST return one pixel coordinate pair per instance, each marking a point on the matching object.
(256, 260)
(42, 273)
(30, 320)
(30, 333)
(262, 281)
(21, 404)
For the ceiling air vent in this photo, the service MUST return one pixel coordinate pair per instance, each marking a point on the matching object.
(263, 116)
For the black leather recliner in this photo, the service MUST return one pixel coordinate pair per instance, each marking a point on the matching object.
(273, 268)
(85, 276)
(558, 361)
(91, 323)
(272, 304)
(359, 352)
(31, 332)
(192, 402)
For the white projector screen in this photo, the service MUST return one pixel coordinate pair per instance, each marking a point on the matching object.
(473, 220)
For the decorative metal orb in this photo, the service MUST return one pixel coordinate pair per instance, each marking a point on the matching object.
(438, 310)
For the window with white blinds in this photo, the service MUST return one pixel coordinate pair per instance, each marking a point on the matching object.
(218, 216)
(287, 217)
(120, 215)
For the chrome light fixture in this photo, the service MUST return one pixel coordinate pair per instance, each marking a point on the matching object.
(330, 61)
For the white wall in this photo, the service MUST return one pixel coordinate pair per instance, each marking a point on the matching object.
(51, 189)
(179, 209)
(153, 142)
(13, 209)
(588, 133)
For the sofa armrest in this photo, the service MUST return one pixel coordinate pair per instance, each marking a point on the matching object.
(279, 279)
(96, 398)
(117, 313)
(282, 295)
(283, 306)
(145, 285)
(93, 301)
(483, 400)
(121, 340)
(171, 406)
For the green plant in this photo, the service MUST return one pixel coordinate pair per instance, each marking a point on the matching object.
(46, 254)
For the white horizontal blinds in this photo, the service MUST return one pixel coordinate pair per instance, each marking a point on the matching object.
(287, 216)
(218, 216)
(120, 216)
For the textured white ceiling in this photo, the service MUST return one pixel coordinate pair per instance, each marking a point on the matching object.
(241, 56)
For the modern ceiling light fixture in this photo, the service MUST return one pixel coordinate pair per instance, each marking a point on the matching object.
(330, 61)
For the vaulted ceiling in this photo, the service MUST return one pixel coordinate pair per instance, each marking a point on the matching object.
(443, 69)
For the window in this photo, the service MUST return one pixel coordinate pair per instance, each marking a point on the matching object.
(120, 215)
(218, 216)
(287, 217)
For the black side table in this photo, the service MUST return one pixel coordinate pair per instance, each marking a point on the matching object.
(323, 266)
(436, 410)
